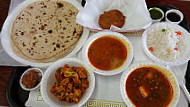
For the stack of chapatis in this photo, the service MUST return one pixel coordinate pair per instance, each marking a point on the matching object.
(45, 31)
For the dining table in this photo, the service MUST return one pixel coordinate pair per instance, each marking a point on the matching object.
(5, 71)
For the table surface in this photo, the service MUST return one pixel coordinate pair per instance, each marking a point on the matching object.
(5, 71)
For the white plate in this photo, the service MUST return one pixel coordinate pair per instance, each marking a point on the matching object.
(7, 28)
(48, 81)
(94, 37)
(171, 77)
(185, 58)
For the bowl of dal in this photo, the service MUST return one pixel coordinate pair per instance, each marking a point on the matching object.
(107, 53)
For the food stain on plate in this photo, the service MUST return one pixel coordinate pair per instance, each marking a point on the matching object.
(107, 53)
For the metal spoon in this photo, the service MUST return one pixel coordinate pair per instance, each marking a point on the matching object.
(180, 78)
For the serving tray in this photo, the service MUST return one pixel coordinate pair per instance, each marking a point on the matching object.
(16, 96)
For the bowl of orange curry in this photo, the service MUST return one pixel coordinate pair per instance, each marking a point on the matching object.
(107, 53)
(149, 85)
(67, 82)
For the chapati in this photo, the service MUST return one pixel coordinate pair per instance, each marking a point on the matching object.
(45, 31)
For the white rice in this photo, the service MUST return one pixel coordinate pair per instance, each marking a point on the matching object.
(164, 43)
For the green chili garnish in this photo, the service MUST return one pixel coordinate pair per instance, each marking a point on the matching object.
(58, 70)
(73, 73)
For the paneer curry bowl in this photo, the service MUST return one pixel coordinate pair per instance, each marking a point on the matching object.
(107, 53)
(67, 83)
(149, 85)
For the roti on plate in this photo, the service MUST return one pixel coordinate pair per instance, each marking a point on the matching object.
(45, 31)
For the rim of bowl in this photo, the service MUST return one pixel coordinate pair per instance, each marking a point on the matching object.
(175, 11)
(118, 70)
(62, 62)
(172, 79)
(157, 20)
(153, 57)
(26, 71)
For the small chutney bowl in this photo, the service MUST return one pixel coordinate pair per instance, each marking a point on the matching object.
(176, 15)
(155, 16)
(123, 39)
(38, 78)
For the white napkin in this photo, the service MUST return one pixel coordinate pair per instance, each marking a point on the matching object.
(135, 11)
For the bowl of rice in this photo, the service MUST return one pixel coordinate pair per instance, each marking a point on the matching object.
(167, 43)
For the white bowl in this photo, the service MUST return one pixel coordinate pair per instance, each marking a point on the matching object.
(185, 58)
(123, 39)
(175, 11)
(170, 76)
(40, 75)
(157, 20)
(48, 81)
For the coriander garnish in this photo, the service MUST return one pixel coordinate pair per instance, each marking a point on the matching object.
(98, 62)
(155, 95)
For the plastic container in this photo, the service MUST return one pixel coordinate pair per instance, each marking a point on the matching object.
(186, 56)
(48, 81)
(123, 39)
(159, 10)
(168, 73)
(177, 12)
(39, 77)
